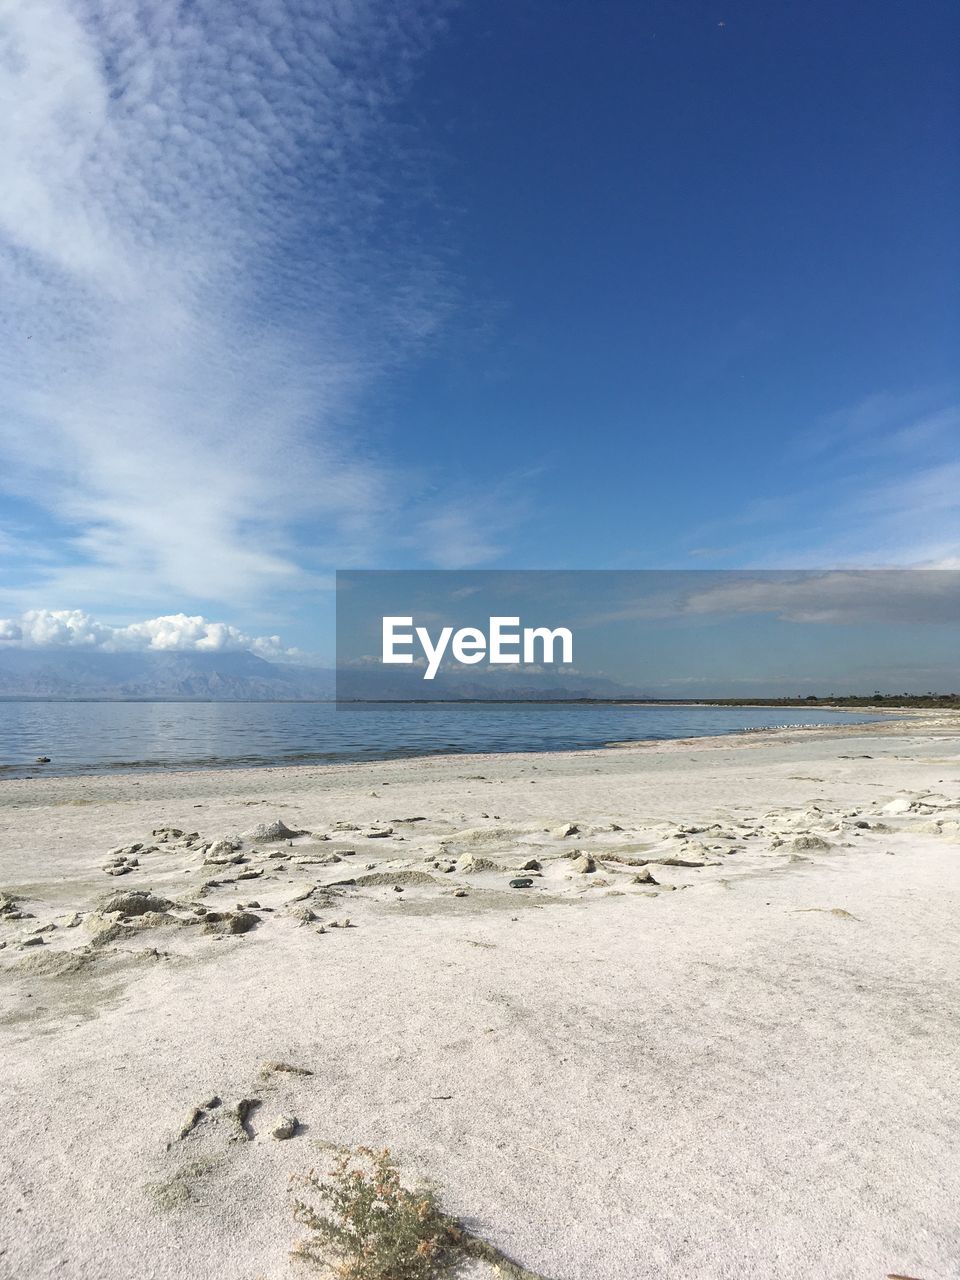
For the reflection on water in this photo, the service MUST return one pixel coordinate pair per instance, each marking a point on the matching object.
(94, 737)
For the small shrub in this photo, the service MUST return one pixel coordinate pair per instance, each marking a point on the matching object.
(373, 1227)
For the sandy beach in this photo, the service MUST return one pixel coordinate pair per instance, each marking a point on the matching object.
(716, 1035)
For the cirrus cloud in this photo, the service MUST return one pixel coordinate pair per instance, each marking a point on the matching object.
(206, 266)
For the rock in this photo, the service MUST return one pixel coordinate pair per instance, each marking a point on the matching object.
(121, 870)
(644, 877)
(242, 922)
(222, 851)
(134, 903)
(43, 760)
(229, 921)
(810, 842)
(567, 829)
(584, 865)
(35, 940)
(379, 833)
(276, 830)
(318, 860)
(521, 882)
(165, 834)
(284, 1127)
(304, 915)
(900, 805)
(531, 864)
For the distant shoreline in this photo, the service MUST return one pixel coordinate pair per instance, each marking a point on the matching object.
(846, 702)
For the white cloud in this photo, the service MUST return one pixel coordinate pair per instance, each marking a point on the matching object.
(833, 597)
(73, 629)
(876, 485)
(201, 279)
(839, 597)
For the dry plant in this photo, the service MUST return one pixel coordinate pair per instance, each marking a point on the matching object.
(368, 1226)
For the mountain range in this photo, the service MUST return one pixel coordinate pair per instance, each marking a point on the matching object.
(226, 677)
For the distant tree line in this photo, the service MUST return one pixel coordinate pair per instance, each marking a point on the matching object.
(875, 699)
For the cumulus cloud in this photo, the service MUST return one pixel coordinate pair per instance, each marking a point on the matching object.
(73, 629)
(208, 261)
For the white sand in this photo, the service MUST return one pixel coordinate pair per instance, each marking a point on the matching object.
(755, 1075)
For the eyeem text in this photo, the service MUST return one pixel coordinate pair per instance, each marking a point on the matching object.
(502, 642)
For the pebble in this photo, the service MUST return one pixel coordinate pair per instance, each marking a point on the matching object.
(284, 1127)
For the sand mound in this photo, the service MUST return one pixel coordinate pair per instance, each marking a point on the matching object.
(276, 830)
(395, 877)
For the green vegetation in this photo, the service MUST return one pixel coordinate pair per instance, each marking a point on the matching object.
(365, 1225)
(948, 701)
(375, 1229)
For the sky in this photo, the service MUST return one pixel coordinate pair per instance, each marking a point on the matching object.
(666, 633)
(292, 286)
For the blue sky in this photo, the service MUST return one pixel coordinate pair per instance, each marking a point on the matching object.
(287, 287)
(684, 633)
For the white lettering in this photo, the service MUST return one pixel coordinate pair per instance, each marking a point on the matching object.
(391, 639)
(531, 634)
(434, 654)
(469, 645)
(498, 638)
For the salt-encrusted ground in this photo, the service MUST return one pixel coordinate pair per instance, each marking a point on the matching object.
(717, 1036)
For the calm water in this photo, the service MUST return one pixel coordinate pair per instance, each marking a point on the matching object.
(96, 737)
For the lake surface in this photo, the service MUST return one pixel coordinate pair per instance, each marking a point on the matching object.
(99, 737)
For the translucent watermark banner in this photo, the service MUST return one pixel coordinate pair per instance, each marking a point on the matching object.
(659, 635)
